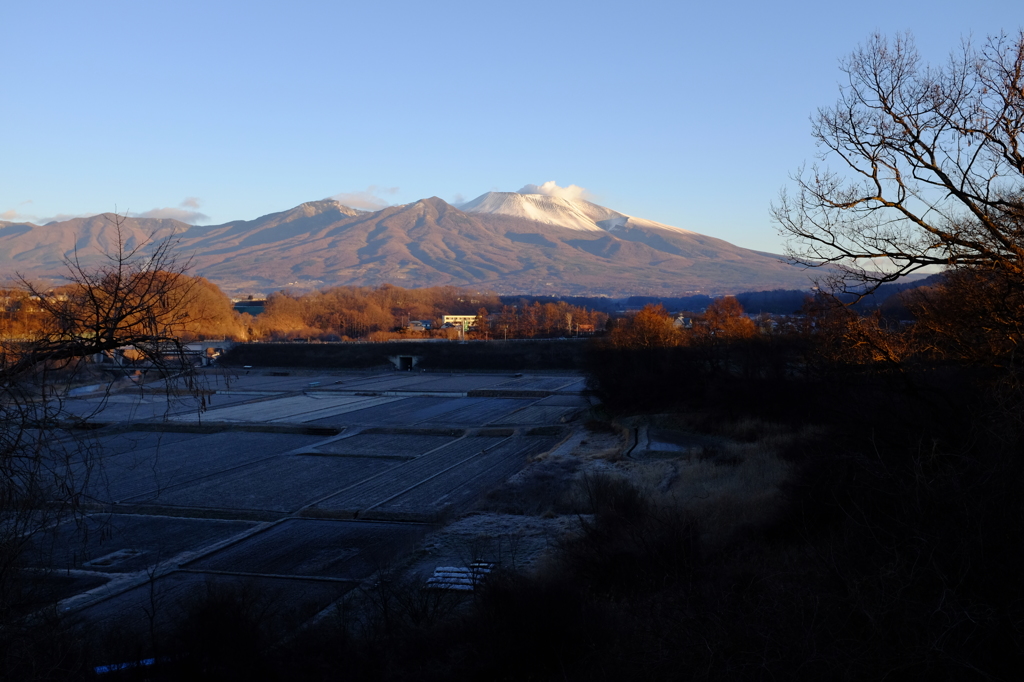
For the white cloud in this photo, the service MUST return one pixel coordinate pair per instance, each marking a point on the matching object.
(13, 216)
(551, 189)
(172, 213)
(368, 199)
(185, 212)
(61, 217)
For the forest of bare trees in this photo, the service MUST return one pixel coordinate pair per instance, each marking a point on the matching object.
(363, 312)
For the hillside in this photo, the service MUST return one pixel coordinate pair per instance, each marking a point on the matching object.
(505, 242)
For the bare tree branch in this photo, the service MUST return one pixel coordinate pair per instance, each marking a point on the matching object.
(138, 300)
(933, 170)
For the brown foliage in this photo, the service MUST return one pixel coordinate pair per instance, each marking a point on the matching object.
(152, 303)
(972, 316)
(725, 320)
(652, 327)
(355, 312)
(843, 337)
(359, 312)
(145, 302)
(209, 313)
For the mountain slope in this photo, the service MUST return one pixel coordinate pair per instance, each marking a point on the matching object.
(41, 250)
(572, 213)
(537, 244)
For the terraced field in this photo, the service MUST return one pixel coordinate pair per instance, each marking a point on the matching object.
(455, 488)
(346, 550)
(164, 462)
(122, 543)
(370, 493)
(385, 445)
(287, 409)
(118, 615)
(482, 411)
(297, 483)
(282, 484)
(535, 414)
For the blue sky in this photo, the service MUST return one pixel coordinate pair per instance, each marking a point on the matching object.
(691, 114)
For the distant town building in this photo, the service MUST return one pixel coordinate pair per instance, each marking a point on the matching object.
(459, 320)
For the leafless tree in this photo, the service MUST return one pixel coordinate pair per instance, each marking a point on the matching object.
(931, 166)
(137, 300)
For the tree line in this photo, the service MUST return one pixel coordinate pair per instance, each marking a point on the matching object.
(190, 307)
(350, 312)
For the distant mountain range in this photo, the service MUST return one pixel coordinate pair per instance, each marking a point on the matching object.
(502, 241)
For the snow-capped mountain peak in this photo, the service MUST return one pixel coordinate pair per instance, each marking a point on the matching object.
(576, 214)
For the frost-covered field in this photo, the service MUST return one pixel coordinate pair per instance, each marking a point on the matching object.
(304, 482)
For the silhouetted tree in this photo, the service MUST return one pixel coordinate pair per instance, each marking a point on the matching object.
(140, 299)
(932, 161)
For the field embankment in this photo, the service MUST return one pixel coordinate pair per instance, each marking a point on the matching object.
(532, 355)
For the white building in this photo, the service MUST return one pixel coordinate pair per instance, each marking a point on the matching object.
(459, 320)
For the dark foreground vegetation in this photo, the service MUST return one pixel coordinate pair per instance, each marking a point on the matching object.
(894, 551)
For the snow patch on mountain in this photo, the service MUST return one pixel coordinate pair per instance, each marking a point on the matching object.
(575, 214)
(316, 207)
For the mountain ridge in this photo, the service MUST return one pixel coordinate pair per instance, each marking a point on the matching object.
(576, 213)
(498, 242)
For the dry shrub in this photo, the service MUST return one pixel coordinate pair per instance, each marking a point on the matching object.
(628, 542)
(739, 487)
(751, 429)
(542, 489)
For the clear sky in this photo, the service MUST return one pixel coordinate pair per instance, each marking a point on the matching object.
(689, 113)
